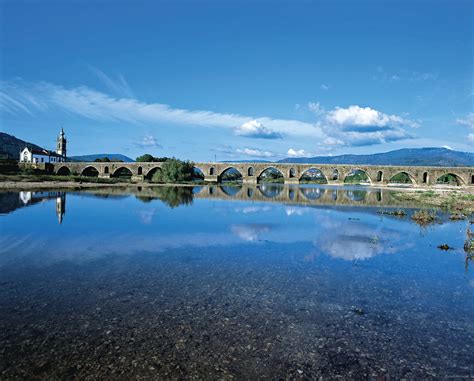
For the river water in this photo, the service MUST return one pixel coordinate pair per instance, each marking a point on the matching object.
(226, 282)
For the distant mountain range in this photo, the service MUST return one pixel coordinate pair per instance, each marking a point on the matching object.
(10, 147)
(111, 156)
(436, 157)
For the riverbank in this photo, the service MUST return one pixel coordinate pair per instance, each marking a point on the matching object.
(456, 201)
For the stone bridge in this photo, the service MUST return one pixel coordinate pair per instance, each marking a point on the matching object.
(252, 172)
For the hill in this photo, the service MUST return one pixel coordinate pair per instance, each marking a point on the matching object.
(436, 157)
(10, 146)
(111, 156)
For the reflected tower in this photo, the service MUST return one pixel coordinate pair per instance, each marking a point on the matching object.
(61, 206)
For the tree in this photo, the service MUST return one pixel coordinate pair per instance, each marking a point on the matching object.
(102, 160)
(147, 158)
(175, 171)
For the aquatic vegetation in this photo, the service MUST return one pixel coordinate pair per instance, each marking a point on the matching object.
(457, 216)
(395, 213)
(424, 217)
(445, 247)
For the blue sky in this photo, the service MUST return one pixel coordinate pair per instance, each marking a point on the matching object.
(238, 79)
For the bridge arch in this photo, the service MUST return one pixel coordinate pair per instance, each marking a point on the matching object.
(402, 177)
(357, 176)
(450, 179)
(198, 173)
(313, 175)
(90, 171)
(151, 172)
(335, 174)
(122, 172)
(63, 171)
(270, 174)
(250, 171)
(230, 174)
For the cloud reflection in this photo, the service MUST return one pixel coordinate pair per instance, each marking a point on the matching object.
(250, 232)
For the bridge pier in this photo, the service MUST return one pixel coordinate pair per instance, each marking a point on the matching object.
(292, 180)
(249, 180)
(137, 178)
(211, 178)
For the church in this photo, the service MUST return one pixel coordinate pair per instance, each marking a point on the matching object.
(36, 156)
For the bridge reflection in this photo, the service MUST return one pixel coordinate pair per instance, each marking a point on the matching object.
(174, 196)
(287, 194)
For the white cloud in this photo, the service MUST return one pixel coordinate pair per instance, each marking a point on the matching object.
(149, 141)
(468, 121)
(250, 232)
(255, 129)
(333, 141)
(361, 126)
(358, 119)
(255, 152)
(298, 153)
(324, 87)
(447, 147)
(470, 137)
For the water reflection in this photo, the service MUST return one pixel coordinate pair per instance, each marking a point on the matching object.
(270, 190)
(313, 193)
(207, 282)
(175, 196)
(10, 201)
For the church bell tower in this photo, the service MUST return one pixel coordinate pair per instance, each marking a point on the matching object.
(61, 144)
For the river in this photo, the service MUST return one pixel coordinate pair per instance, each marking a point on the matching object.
(225, 282)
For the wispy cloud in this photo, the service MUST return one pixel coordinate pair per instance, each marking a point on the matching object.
(467, 121)
(118, 86)
(254, 152)
(324, 87)
(316, 108)
(95, 105)
(404, 75)
(351, 126)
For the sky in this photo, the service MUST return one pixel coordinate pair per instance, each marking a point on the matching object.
(238, 80)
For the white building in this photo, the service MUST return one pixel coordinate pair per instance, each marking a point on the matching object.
(33, 155)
